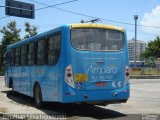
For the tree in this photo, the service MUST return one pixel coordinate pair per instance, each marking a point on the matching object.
(10, 36)
(152, 50)
(31, 30)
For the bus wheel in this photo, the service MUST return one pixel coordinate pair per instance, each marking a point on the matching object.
(12, 92)
(38, 96)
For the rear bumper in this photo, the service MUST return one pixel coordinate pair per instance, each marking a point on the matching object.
(98, 96)
(106, 102)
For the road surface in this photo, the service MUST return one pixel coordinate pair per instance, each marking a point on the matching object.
(144, 103)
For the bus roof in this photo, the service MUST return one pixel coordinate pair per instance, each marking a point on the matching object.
(93, 25)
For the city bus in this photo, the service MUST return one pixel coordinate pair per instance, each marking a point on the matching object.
(74, 63)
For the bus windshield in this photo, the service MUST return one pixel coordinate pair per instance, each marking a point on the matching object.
(97, 39)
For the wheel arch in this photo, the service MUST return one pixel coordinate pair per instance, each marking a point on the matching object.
(33, 89)
(10, 82)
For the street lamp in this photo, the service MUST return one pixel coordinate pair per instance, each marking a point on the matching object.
(135, 44)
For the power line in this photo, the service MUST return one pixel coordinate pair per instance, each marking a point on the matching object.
(132, 31)
(73, 12)
(53, 6)
(48, 6)
(76, 13)
(142, 33)
(44, 7)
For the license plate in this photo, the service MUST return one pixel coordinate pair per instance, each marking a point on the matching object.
(101, 84)
(80, 77)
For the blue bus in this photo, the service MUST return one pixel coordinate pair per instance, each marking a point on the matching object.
(75, 63)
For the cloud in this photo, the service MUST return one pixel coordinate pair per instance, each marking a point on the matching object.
(152, 19)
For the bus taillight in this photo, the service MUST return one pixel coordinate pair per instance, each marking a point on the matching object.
(68, 76)
(69, 69)
(127, 76)
(127, 71)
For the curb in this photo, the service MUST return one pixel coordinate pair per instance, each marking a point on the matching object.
(1, 77)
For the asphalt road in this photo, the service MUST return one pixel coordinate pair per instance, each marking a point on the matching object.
(144, 103)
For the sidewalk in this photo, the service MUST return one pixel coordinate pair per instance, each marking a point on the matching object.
(1, 76)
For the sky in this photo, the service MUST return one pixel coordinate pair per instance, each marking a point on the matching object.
(111, 12)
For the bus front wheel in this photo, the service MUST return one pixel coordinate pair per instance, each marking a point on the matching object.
(12, 86)
(38, 96)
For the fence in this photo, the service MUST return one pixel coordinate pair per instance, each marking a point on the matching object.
(145, 71)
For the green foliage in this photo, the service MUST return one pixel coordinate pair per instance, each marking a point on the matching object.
(31, 30)
(151, 62)
(152, 52)
(11, 34)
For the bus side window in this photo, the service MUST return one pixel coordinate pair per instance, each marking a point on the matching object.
(58, 47)
(53, 49)
(17, 56)
(23, 54)
(12, 57)
(31, 54)
(40, 49)
(7, 58)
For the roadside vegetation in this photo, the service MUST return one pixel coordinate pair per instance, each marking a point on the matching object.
(11, 34)
(145, 71)
(151, 58)
(151, 55)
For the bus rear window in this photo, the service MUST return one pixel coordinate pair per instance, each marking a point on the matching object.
(97, 39)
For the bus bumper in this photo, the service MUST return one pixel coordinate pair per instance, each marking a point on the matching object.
(104, 96)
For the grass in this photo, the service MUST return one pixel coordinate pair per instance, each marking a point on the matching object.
(145, 71)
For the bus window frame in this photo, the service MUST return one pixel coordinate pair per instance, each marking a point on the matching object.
(7, 58)
(36, 51)
(124, 41)
(51, 35)
(26, 60)
(34, 54)
(12, 57)
(19, 56)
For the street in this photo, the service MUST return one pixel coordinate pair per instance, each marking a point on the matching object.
(144, 99)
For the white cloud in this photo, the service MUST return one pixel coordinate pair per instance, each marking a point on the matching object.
(152, 19)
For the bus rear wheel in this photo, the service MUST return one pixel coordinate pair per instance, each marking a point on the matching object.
(38, 96)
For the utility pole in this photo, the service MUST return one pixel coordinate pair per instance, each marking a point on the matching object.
(135, 42)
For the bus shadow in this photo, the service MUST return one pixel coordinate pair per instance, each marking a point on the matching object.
(68, 110)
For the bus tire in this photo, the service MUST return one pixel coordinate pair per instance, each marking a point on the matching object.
(38, 96)
(11, 85)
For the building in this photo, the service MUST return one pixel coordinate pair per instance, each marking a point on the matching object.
(140, 47)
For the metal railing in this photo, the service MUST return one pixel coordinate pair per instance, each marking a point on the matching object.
(145, 71)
